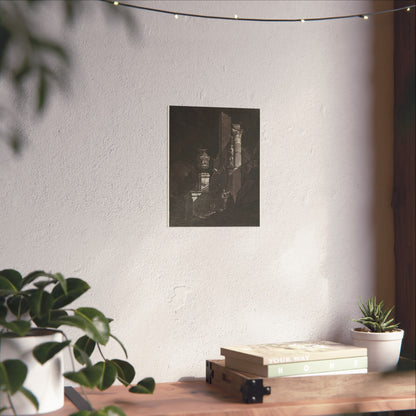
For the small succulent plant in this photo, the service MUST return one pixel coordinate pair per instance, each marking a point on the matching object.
(375, 318)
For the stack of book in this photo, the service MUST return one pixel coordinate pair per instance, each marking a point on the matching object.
(296, 359)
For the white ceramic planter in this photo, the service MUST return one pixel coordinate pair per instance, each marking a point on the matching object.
(383, 348)
(44, 381)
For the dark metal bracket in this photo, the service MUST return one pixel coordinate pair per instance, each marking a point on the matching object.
(253, 391)
(209, 372)
(77, 399)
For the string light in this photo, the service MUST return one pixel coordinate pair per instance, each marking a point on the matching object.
(249, 19)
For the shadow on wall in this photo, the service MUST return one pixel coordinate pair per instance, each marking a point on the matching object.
(382, 142)
(364, 247)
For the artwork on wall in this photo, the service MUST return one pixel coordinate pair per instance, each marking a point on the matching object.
(214, 166)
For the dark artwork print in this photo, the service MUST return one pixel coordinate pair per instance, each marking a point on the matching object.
(214, 166)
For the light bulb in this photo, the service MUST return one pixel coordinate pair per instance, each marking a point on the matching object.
(236, 16)
(115, 3)
(408, 9)
(302, 20)
(365, 17)
(176, 16)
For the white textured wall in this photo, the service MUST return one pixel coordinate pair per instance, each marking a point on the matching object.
(89, 195)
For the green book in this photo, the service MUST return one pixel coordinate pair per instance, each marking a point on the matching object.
(338, 365)
(292, 352)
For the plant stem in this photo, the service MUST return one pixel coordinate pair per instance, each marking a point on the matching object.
(19, 310)
(11, 404)
(101, 353)
(73, 369)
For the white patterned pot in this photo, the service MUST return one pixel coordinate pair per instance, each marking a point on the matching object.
(383, 348)
(44, 381)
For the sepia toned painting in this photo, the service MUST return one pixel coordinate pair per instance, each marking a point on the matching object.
(214, 166)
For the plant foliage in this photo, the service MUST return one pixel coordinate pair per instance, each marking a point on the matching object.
(40, 63)
(41, 300)
(375, 317)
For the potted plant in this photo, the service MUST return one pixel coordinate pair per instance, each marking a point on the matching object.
(380, 335)
(34, 310)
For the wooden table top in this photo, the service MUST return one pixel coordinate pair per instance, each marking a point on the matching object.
(198, 398)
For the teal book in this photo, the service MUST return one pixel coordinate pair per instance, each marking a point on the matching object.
(339, 365)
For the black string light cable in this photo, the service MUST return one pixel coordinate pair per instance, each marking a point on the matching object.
(364, 16)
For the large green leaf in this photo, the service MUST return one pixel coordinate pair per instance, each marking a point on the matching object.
(52, 46)
(108, 374)
(43, 284)
(88, 376)
(145, 386)
(125, 371)
(12, 375)
(75, 288)
(83, 413)
(43, 88)
(105, 411)
(110, 411)
(98, 328)
(62, 281)
(29, 395)
(13, 276)
(18, 327)
(55, 315)
(3, 312)
(45, 351)
(18, 305)
(7, 287)
(31, 277)
(83, 349)
(82, 357)
(92, 322)
(75, 321)
(40, 304)
(24, 69)
(54, 277)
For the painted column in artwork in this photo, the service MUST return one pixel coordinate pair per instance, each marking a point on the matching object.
(235, 161)
(203, 166)
(224, 141)
(237, 132)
